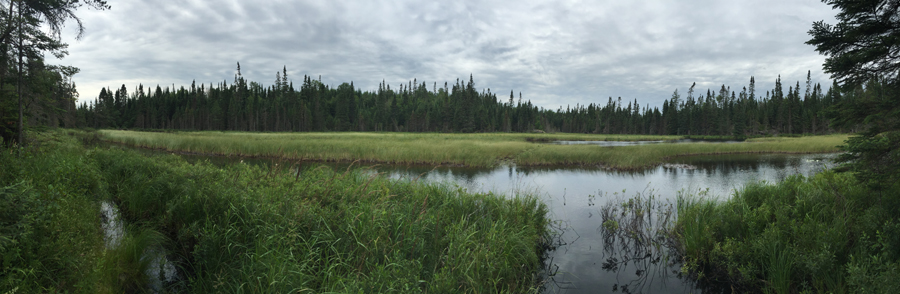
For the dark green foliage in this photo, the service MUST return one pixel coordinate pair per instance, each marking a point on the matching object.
(862, 55)
(874, 112)
(21, 223)
(459, 107)
(822, 234)
(31, 92)
(863, 44)
(49, 228)
(253, 229)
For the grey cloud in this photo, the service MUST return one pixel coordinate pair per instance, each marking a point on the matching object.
(556, 53)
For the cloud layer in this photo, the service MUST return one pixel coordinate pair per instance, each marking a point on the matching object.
(556, 53)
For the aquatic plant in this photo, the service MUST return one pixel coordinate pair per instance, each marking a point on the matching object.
(635, 233)
(821, 234)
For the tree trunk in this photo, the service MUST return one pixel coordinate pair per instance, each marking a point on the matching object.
(20, 125)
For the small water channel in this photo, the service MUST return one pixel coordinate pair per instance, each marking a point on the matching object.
(160, 269)
(588, 259)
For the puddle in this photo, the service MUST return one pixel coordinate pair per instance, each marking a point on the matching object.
(161, 269)
(113, 230)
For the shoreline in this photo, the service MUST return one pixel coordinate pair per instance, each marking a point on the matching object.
(509, 160)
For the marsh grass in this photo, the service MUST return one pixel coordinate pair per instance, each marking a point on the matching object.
(694, 218)
(482, 149)
(245, 228)
(635, 233)
(631, 157)
(250, 229)
(50, 237)
(807, 235)
(125, 266)
(778, 268)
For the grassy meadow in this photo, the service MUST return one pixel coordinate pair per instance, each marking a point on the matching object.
(249, 229)
(480, 149)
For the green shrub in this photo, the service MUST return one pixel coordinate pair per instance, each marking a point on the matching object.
(822, 234)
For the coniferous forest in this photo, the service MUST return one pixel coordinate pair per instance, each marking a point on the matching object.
(458, 107)
(78, 215)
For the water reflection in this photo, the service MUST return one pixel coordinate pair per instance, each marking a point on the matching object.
(590, 257)
(588, 260)
(632, 143)
(160, 270)
(636, 244)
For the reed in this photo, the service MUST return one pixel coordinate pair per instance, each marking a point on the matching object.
(824, 234)
(695, 220)
(630, 157)
(245, 228)
(331, 231)
(50, 237)
(483, 149)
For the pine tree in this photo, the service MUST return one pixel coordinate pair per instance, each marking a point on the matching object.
(673, 113)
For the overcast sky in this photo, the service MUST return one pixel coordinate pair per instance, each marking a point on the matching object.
(556, 53)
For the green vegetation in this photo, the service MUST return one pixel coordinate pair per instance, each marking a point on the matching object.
(243, 228)
(417, 106)
(30, 91)
(861, 55)
(825, 234)
(50, 236)
(834, 232)
(457, 149)
(629, 157)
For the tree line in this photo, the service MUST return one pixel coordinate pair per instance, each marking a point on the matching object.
(458, 107)
(32, 92)
(250, 106)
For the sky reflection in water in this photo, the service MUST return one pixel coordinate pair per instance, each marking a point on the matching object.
(577, 195)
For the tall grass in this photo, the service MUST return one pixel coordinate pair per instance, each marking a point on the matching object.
(50, 237)
(824, 234)
(244, 228)
(629, 157)
(457, 149)
(694, 218)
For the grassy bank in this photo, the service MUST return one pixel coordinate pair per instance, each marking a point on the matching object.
(637, 156)
(457, 149)
(246, 229)
(50, 237)
(825, 234)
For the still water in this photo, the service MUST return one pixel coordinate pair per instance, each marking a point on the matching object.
(632, 143)
(587, 259)
(583, 261)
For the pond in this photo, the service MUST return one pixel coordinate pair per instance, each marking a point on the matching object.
(583, 263)
(586, 258)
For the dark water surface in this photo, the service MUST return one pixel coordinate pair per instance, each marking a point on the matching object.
(584, 261)
(588, 259)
